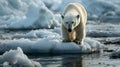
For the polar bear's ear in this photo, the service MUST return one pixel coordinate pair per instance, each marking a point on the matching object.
(78, 16)
(62, 16)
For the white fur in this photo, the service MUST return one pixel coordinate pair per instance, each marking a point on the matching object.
(77, 34)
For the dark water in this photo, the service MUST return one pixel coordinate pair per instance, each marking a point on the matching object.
(67, 60)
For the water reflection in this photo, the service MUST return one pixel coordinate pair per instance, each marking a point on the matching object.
(72, 61)
(61, 61)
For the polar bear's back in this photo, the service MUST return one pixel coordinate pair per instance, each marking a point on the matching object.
(79, 8)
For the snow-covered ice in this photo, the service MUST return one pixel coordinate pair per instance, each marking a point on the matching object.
(23, 14)
(32, 14)
(48, 41)
(16, 58)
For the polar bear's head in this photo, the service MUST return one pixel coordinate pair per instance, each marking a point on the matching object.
(71, 21)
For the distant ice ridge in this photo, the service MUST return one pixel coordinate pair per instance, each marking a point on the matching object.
(16, 58)
(96, 9)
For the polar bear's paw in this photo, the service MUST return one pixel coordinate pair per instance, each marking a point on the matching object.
(78, 42)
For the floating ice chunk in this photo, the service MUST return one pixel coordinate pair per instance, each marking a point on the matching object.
(51, 45)
(15, 58)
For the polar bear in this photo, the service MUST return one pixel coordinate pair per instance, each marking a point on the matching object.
(74, 20)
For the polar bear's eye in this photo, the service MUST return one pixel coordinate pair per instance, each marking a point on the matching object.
(72, 22)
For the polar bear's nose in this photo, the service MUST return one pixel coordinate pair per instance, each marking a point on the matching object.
(69, 30)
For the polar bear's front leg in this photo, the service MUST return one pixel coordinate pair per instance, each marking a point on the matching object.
(80, 35)
(80, 38)
(65, 35)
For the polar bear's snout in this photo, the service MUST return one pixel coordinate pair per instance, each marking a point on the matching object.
(69, 27)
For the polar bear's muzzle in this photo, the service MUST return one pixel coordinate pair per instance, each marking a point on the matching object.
(69, 28)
